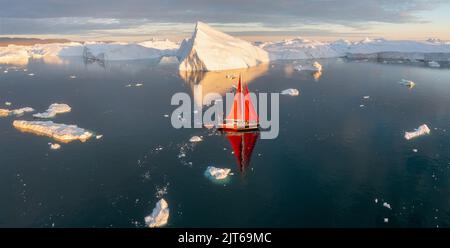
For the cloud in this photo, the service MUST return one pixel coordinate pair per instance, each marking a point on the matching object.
(105, 16)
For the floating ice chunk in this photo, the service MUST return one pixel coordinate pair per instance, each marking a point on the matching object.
(4, 112)
(73, 76)
(54, 146)
(5, 71)
(217, 173)
(434, 64)
(17, 112)
(8, 103)
(128, 85)
(376, 200)
(415, 150)
(30, 74)
(159, 216)
(166, 115)
(291, 92)
(195, 139)
(53, 110)
(314, 67)
(361, 105)
(422, 130)
(99, 136)
(21, 111)
(60, 132)
(366, 97)
(386, 220)
(138, 85)
(407, 83)
(387, 205)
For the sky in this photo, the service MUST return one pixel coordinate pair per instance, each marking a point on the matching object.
(135, 20)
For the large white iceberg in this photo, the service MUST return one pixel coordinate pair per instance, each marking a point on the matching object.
(60, 132)
(53, 110)
(159, 216)
(211, 50)
(422, 130)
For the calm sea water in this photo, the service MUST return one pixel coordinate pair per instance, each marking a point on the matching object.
(330, 162)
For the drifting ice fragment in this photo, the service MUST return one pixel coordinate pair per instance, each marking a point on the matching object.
(99, 136)
(314, 67)
(291, 92)
(8, 103)
(60, 132)
(217, 173)
(53, 110)
(366, 97)
(434, 64)
(17, 112)
(407, 83)
(73, 76)
(422, 130)
(387, 205)
(195, 139)
(54, 146)
(159, 216)
(386, 220)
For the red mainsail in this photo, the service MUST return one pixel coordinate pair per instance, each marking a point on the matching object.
(242, 111)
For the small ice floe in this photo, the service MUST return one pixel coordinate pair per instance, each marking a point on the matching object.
(5, 71)
(166, 115)
(128, 85)
(138, 85)
(195, 139)
(217, 173)
(422, 130)
(314, 67)
(98, 136)
(8, 103)
(376, 200)
(291, 92)
(30, 74)
(61, 132)
(407, 83)
(434, 64)
(73, 76)
(387, 205)
(54, 146)
(53, 110)
(366, 97)
(386, 220)
(415, 150)
(16, 112)
(159, 216)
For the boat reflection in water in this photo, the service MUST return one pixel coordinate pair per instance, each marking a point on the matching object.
(243, 144)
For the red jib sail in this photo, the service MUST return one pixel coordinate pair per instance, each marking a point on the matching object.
(242, 111)
(243, 145)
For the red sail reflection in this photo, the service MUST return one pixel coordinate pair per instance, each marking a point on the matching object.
(243, 145)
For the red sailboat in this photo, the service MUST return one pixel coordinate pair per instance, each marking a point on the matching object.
(242, 116)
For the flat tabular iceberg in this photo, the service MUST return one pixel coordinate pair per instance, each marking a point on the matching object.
(211, 50)
(159, 216)
(60, 132)
(422, 130)
(53, 110)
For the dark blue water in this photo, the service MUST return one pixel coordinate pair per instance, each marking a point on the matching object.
(330, 162)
